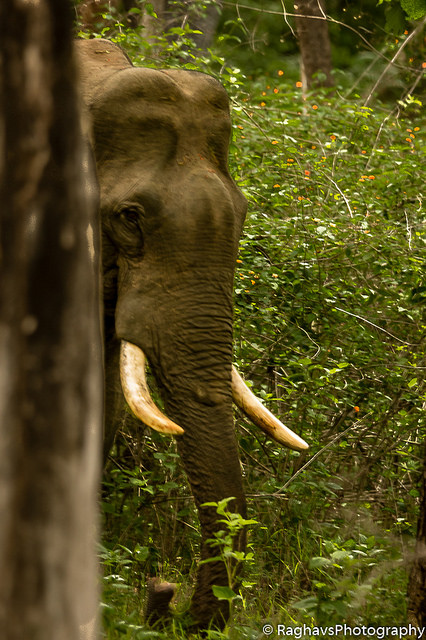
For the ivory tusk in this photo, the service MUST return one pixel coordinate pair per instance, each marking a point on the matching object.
(261, 416)
(136, 392)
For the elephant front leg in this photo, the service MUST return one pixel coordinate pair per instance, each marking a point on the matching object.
(160, 595)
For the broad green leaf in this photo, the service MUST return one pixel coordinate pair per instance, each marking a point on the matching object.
(224, 593)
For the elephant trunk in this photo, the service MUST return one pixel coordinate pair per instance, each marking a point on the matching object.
(191, 358)
(198, 397)
(213, 469)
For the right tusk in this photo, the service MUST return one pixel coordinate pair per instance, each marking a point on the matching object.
(261, 416)
(136, 392)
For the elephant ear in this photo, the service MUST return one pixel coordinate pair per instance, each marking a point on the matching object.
(97, 60)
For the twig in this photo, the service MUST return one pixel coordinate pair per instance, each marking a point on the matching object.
(376, 326)
(392, 61)
(321, 451)
(286, 19)
(341, 193)
(313, 341)
(408, 229)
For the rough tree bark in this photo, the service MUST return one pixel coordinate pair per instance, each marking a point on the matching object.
(417, 580)
(314, 43)
(50, 354)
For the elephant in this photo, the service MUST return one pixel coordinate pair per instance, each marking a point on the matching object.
(171, 218)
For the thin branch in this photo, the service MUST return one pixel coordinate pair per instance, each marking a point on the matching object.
(392, 61)
(320, 452)
(285, 13)
(408, 229)
(341, 193)
(376, 326)
(313, 341)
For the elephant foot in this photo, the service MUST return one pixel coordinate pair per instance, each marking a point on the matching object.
(160, 595)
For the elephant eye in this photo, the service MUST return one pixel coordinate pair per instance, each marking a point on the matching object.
(126, 227)
(130, 216)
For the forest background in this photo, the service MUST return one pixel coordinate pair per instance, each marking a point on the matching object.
(329, 314)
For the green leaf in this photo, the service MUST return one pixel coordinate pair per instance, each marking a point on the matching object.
(415, 9)
(224, 593)
(318, 562)
(307, 603)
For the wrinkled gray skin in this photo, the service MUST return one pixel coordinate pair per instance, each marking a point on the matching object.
(171, 221)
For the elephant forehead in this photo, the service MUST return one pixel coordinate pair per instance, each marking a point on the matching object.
(199, 87)
(185, 97)
(144, 115)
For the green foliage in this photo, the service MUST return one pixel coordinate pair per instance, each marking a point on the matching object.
(146, 42)
(415, 9)
(223, 542)
(329, 330)
(348, 581)
(330, 272)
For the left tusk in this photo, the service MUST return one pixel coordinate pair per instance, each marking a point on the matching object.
(261, 416)
(136, 392)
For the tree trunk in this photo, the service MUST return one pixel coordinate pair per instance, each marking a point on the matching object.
(50, 354)
(314, 43)
(417, 580)
(170, 16)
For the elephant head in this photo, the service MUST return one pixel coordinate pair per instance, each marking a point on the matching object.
(171, 219)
